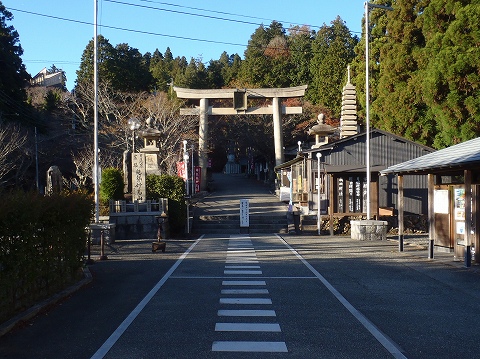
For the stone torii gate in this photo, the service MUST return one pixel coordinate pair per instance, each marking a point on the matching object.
(240, 107)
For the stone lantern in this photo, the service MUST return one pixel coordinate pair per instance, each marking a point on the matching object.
(321, 131)
(150, 136)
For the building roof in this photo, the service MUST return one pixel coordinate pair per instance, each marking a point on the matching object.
(462, 156)
(289, 163)
(333, 144)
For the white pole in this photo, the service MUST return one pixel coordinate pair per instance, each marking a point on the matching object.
(367, 109)
(319, 198)
(367, 96)
(95, 113)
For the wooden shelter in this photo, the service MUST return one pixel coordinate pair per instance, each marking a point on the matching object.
(453, 197)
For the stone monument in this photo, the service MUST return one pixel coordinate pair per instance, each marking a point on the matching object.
(145, 162)
(54, 180)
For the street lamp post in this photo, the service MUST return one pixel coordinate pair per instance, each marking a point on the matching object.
(367, 95)
(299, 143)
(133, 124)
(95, 116)
(319, 198)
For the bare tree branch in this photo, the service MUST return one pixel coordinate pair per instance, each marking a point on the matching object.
(12, 142)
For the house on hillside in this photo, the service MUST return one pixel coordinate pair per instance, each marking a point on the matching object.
(43, 78)
(340, 175)
(453, 196)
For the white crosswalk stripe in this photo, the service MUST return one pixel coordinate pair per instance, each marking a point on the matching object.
(240, 258)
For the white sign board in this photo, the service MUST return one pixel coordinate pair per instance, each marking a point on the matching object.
(244, 213)
(440, 201)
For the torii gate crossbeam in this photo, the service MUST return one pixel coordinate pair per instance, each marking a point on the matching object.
(240, 99)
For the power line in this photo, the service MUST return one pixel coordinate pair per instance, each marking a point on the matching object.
(155, 33)
(181, 12)
(215, 11)
(128, 30)
(221, 13)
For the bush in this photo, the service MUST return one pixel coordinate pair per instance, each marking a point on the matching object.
(42, 246)
(173, 188)
(111, 186)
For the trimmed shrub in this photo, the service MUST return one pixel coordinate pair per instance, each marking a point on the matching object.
(42, 246)
(111, 186)
(173, 188)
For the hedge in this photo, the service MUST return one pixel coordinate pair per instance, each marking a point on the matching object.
(42, 246)
(173, 188)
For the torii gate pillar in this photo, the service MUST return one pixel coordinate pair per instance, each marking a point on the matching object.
(239, 98)
(203, 142)
(278, 131)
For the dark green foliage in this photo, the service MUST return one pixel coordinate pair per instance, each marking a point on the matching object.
(451, 76)
(51, 100)
(266, 61)
(424, 70)
(173, 188)
(399, 106)
(13, 75)
(42, 244)
(122, 67)
(112, 185)
(333, 50)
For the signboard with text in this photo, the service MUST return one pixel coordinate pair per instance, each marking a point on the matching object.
(244, 213)
(198, 178)
(138, 177)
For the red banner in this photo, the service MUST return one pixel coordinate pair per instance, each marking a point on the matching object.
(181, 169)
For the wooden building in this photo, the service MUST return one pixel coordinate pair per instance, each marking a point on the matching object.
(453, 196)
(342, 183)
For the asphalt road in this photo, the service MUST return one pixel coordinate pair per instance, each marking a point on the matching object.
(261, 296)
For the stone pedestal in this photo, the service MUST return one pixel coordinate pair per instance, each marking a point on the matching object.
(368, 230)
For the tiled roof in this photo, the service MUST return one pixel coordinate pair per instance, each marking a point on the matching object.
(466, 154)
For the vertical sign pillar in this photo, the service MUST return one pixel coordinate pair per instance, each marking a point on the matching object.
(244, 214)
(203, 142)
(277, 130)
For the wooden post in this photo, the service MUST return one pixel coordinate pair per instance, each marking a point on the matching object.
(400, 213)
(431, 216)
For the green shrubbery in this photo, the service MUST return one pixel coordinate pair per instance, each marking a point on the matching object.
(42, 244)
(111, 186)
(173, 188)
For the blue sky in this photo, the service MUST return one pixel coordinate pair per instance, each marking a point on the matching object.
(57, 31)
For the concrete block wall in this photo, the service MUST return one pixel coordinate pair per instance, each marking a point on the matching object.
(139, 225)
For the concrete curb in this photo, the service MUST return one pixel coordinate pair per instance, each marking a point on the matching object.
(37, 308)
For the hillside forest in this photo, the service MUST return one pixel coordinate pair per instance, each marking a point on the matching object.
(424, 85)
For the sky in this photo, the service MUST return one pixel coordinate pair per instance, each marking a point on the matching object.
(56, 32)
